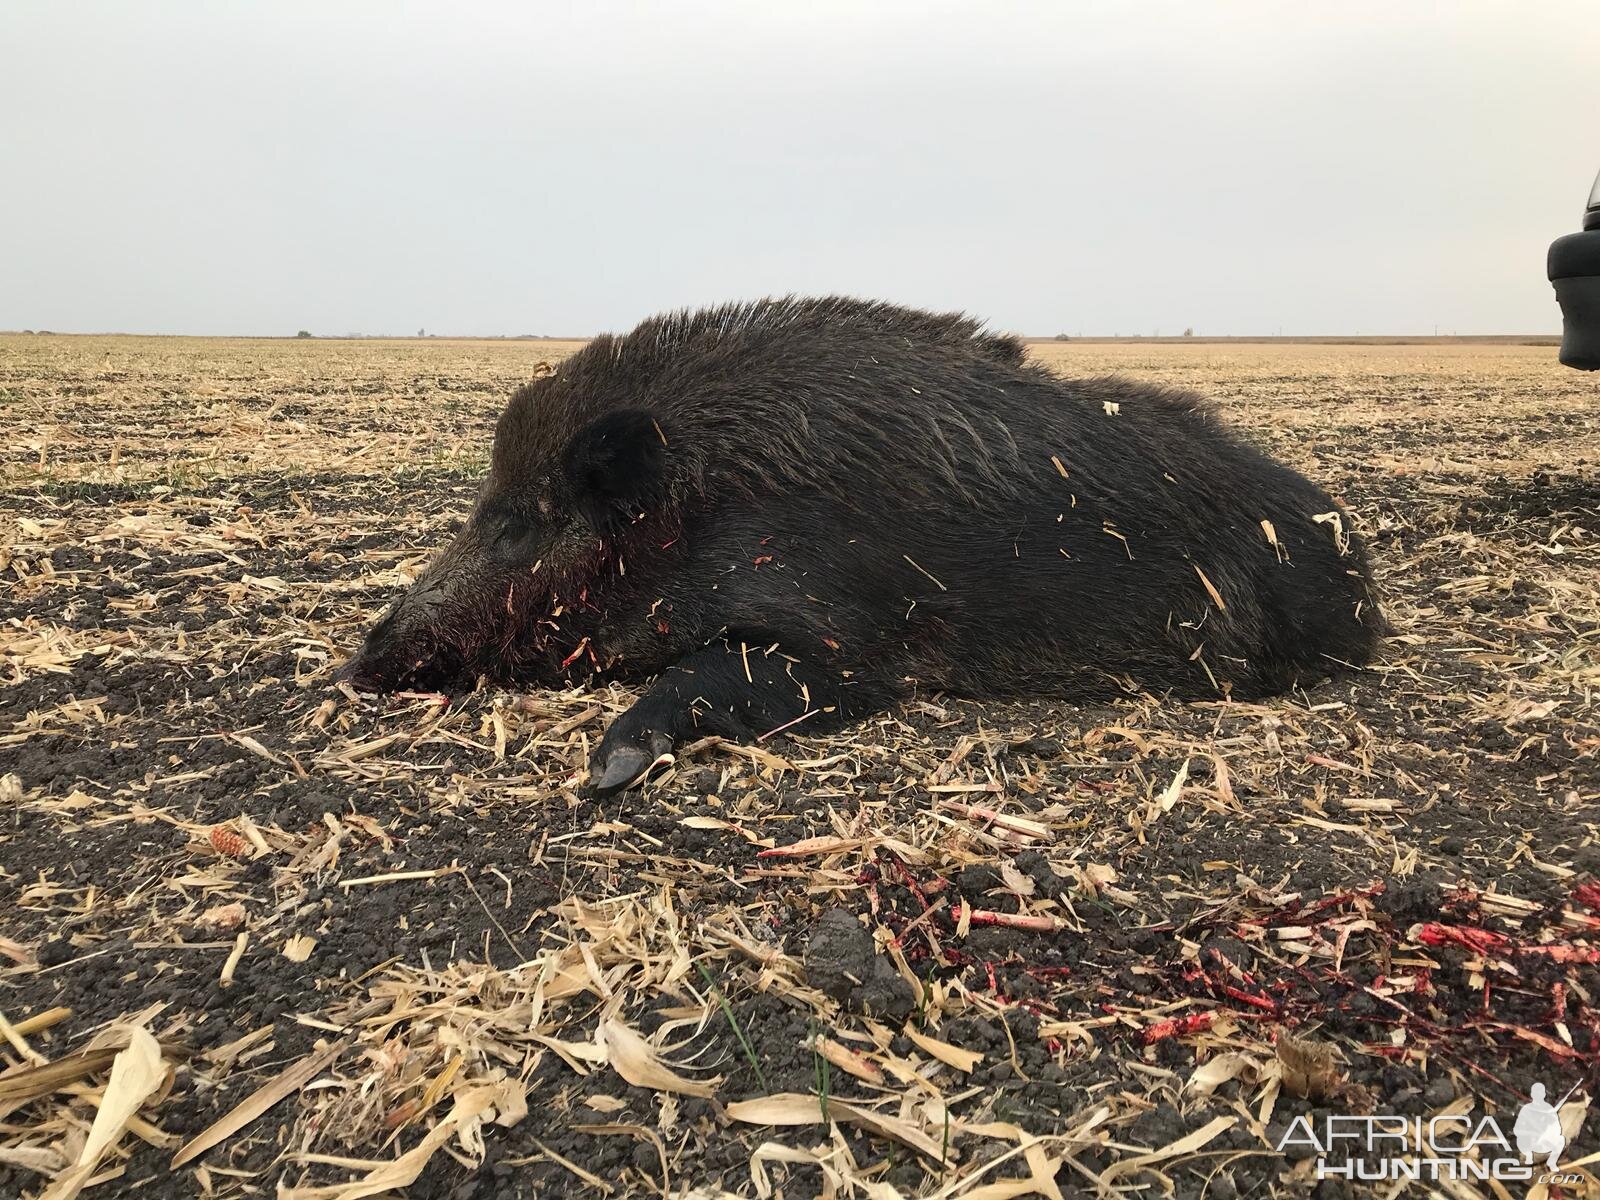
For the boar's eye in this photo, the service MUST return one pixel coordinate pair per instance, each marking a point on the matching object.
(511, 530)
(511, 539)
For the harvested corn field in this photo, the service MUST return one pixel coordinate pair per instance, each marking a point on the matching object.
(264, 936)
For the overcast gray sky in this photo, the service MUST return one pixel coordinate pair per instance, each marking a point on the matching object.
(564, 168)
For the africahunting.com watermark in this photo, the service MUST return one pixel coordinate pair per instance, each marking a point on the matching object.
(1460, 1147)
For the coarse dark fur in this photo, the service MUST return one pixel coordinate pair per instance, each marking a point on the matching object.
(794, 511)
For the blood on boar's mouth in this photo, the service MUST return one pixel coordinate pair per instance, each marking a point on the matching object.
(544, 642)
(422, 665)
(543, 634)
(507, 626)
(530, 636)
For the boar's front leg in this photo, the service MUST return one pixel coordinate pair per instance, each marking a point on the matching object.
(738, 688)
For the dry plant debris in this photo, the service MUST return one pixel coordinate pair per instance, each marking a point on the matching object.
(264, 937)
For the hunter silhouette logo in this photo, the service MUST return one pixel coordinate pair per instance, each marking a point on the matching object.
(1538, 1127)
(1448, 1146)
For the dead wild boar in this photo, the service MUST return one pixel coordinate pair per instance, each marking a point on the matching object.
(788, 514)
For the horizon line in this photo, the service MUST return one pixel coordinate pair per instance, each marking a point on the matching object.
(1028, 339)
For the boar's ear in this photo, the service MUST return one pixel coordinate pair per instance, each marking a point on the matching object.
(616, 467)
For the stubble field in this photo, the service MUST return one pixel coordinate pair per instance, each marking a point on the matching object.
(277, 939)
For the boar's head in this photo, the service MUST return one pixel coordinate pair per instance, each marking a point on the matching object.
(569, 494)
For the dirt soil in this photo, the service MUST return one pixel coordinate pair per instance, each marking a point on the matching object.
(962, 949)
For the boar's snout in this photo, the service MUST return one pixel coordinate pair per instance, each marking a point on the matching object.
(402, 647)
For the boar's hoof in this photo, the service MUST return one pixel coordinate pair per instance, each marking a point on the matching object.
(619, 762)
